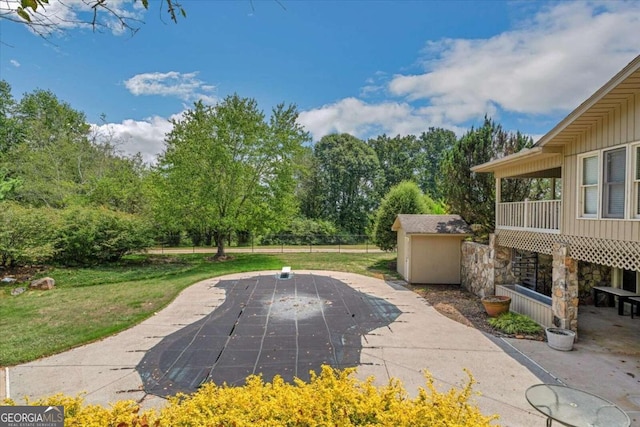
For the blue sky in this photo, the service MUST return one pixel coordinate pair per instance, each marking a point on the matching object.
(363, 67)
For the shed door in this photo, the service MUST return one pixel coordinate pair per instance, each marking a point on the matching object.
(435, 259)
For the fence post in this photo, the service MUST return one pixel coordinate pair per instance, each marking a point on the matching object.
(526, 213)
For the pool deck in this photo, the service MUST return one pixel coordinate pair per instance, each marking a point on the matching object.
(419, 339)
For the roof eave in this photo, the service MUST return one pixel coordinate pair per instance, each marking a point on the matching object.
(598, 95)
(521, 156)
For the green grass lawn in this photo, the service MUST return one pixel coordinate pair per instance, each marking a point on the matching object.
(91, 303)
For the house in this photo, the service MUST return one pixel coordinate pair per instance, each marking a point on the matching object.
(429, 247)
(588, 228)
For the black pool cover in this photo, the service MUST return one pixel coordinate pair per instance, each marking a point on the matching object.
(267, 326)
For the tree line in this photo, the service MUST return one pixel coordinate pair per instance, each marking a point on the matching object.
(227, 171)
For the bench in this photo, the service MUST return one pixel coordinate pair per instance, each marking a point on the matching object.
(635, 302)
(623, 296)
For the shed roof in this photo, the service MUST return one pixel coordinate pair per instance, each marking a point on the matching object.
(431, 224)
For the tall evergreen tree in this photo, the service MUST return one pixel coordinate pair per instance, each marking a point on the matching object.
(473, 195)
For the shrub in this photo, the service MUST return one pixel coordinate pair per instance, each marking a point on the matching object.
(303, 231)
(514, 323)
(330, 398)
(27, 235)
(98, 235)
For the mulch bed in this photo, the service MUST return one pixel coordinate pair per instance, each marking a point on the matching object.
(458, 304)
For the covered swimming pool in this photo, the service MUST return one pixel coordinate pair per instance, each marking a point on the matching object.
(267, 325)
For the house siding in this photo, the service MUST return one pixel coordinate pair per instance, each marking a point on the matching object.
(620, 126)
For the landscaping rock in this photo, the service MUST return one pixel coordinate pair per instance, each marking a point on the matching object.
(8, 280)
(44, 284)
(17, 291)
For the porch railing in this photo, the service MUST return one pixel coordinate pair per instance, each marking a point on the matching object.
(540, 215)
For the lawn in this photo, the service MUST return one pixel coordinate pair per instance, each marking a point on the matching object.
(88, 304)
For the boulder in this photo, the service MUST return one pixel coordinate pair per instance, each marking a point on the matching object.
(44, 284)
(17, 291)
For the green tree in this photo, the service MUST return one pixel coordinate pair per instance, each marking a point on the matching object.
(348, 178)
(308, 190)
(399, 159)
(52, 152)
(9, 129)
(411, 158)
(225, 168)
(53, 160)
(433, 147)
(404, 198)
(472, 195)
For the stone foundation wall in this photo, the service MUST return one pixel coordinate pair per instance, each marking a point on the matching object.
(565, 288)
(476, 270)
(485, 266)
(590, 275)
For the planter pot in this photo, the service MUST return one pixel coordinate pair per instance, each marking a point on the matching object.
(495, 305)
(560, 339)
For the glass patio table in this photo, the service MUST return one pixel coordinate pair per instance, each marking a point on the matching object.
(575, 408)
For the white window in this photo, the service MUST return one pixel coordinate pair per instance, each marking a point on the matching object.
(614, 182)
(635, 150)
(588, 197)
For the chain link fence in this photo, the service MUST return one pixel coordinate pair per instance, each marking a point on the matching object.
(279, 243)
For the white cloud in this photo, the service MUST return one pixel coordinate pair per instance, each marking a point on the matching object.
(144, 136)
(14, 63)
(184, 86)
(550, 63)
(546, 65)
(364, 120)
(58, 15)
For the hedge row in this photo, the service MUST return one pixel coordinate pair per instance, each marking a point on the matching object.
(332, 398)
(72, 236)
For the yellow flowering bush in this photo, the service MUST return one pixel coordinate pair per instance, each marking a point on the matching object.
(332, 398)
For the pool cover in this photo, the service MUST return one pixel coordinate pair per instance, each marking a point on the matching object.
(269, 326)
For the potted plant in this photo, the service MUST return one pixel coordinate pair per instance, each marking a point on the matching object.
(495, 305)
(560, 338)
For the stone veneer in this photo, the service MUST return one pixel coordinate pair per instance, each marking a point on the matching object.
(564, 294)
(485, 266)
(590, 275)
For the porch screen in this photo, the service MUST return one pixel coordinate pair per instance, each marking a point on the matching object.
(614, 182)
(590, 185)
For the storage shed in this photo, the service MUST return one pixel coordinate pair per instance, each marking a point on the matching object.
(429, 247)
